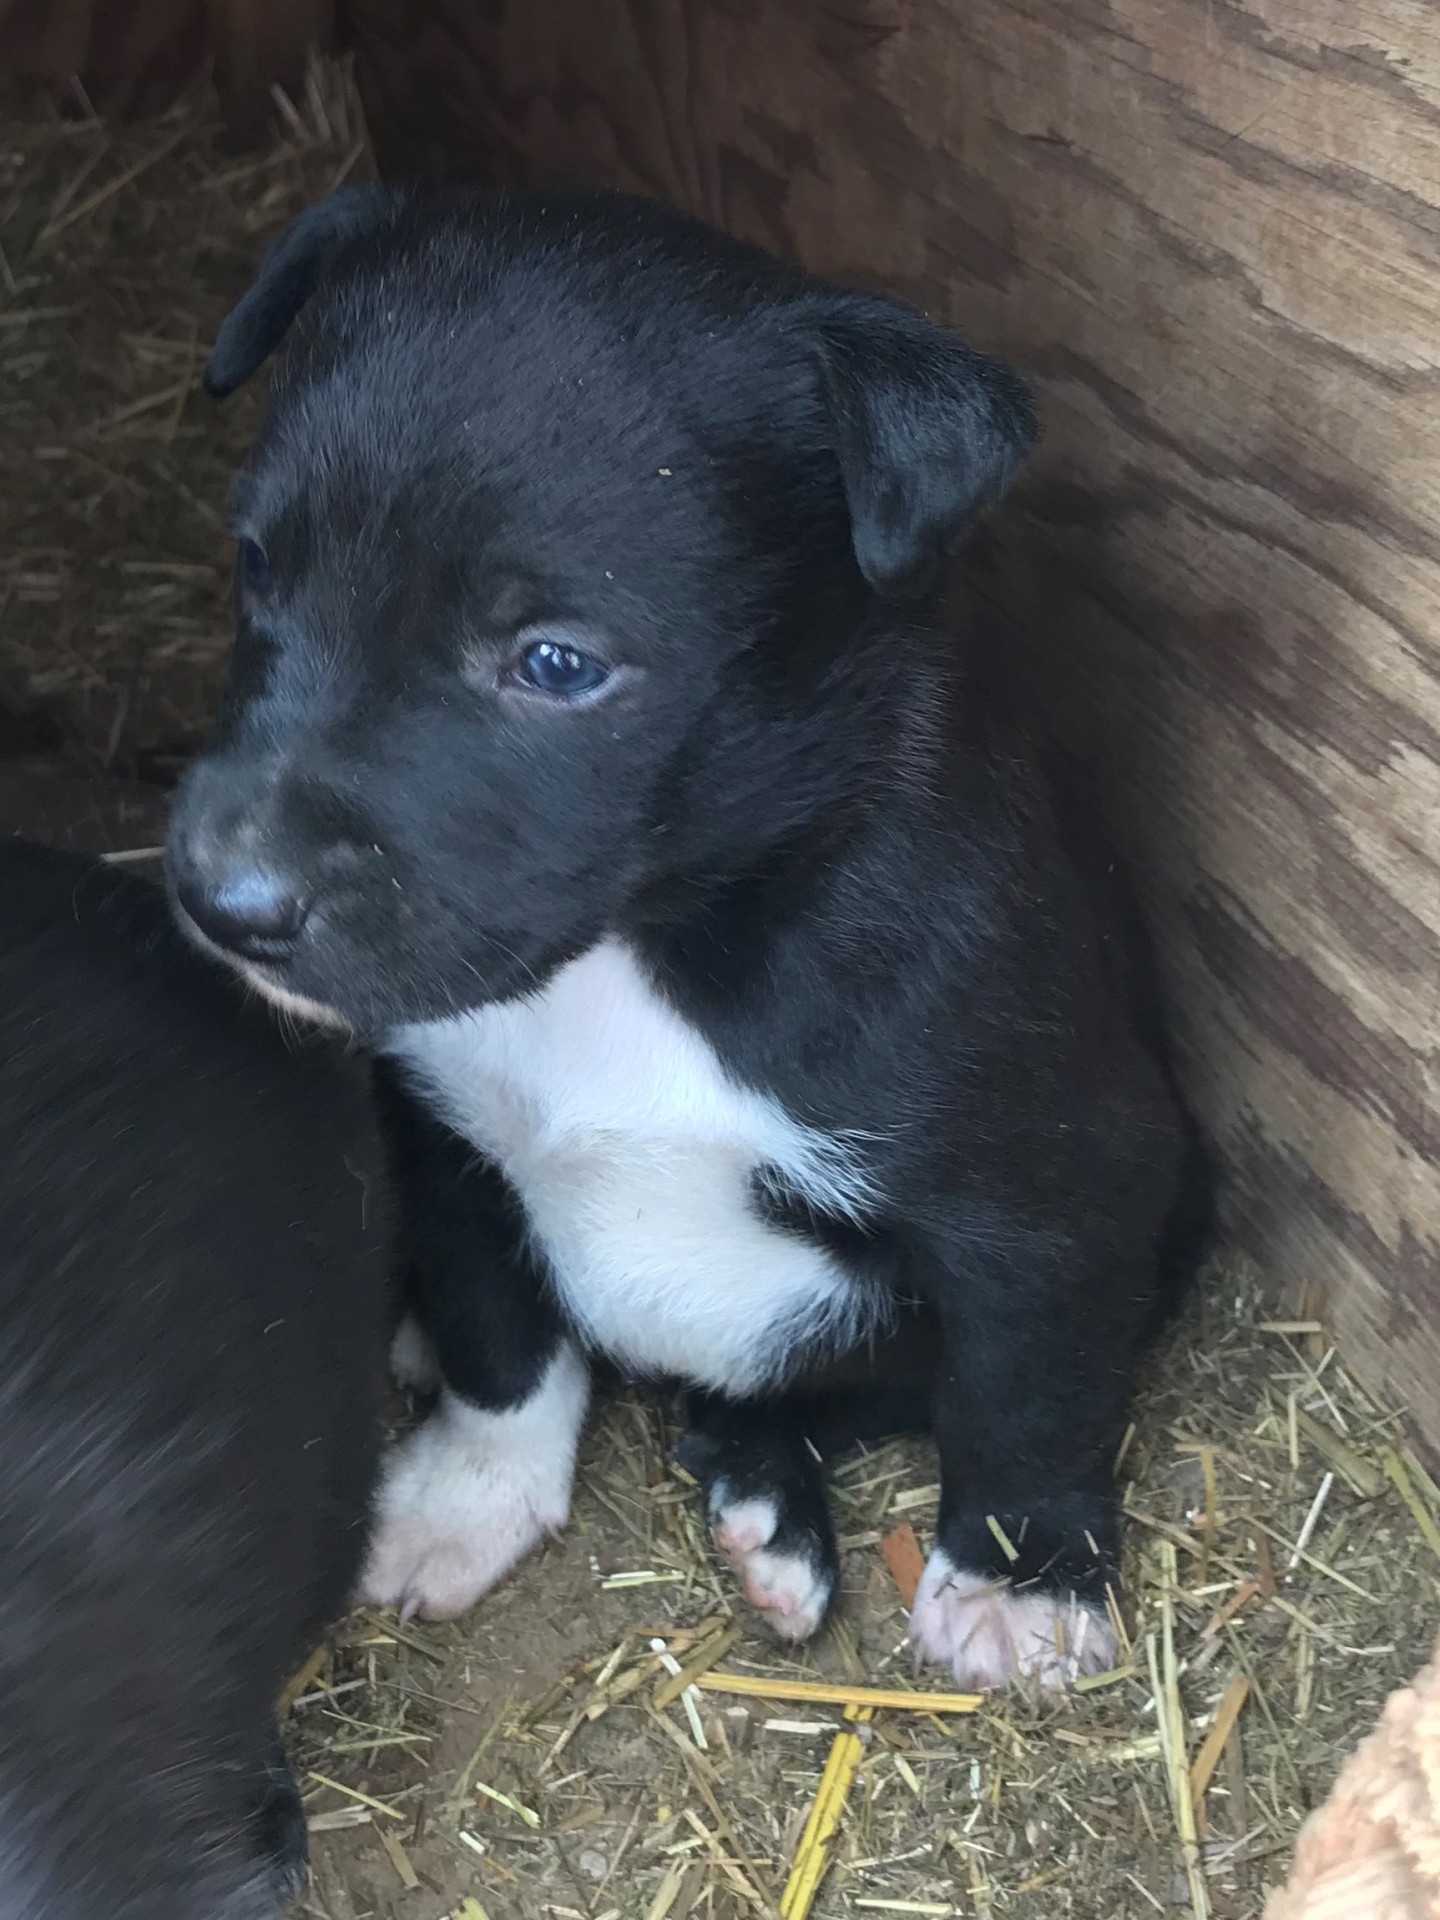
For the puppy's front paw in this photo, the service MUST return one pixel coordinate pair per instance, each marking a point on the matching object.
(989, 1633)
(790, 1581)
(470, 1494)
(452, 1521)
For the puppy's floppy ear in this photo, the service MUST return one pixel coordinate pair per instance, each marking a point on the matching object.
(292, 264)
(928, 433)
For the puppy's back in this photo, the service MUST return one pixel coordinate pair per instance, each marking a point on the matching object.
(191, 1315)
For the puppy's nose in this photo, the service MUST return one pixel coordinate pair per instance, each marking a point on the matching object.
(251, 911)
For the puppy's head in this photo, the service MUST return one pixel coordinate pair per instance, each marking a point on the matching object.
(564, 556)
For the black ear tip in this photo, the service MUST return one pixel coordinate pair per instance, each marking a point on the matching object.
(216, 382)
(286, 279)
(1013, 407)
(1024, 414)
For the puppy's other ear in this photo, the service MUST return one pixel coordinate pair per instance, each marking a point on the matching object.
(928, 433)
(292, 264)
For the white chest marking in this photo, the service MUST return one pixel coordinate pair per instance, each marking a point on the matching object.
(633, 1152)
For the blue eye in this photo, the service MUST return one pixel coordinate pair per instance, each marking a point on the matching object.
(254, 567)
(549, 666)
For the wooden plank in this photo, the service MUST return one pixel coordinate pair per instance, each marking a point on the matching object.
(260, 44)
(136, 56)
(1212, 236)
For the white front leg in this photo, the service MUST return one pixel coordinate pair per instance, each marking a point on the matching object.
(472, 1492)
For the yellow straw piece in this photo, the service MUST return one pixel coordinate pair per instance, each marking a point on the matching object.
(300, 1682)
(1203, 1766)
(1396, 1470)
(762, 1687)
(1006, 1544)
(904, 1906)
(509, 1802)
(699, 1662)
(400, 1860)
(354, 1793)
(812, 1856)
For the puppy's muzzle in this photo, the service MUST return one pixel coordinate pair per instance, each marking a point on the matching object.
(250, 911)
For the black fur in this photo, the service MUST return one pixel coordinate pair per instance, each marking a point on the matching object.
(192, 1304)
(291, 269)
(756, 1449)
(800, 800)
(467, 1271)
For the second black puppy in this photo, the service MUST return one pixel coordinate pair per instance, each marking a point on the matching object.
(596, 748)
(193, 1302)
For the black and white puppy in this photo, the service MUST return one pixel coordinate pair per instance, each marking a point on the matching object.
(193, 1307)
(595, 748)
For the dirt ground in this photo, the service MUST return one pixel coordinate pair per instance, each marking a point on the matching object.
(1282, 1557)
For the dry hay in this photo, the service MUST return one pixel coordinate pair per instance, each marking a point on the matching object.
(120, 251)
(532, 1759)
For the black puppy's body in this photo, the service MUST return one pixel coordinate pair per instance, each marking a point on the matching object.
(193, 1296)
(595, 746)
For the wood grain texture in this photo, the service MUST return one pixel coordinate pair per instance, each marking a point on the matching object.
(1210, 230)
(135, 56)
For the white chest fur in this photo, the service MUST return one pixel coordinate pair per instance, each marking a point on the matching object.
(633, 1152)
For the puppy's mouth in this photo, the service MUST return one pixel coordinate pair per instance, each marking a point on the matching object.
(262, 980)
(346, 973)
(296, 1005)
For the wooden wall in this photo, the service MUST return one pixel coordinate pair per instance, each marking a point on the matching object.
(136, 56)
(1210, 229)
